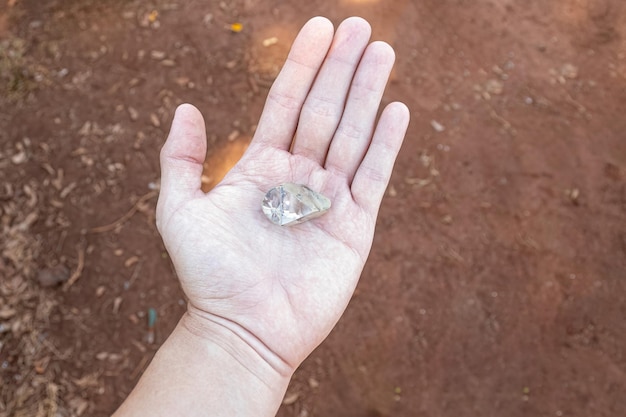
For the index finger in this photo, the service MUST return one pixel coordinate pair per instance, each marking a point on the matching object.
(280, 115)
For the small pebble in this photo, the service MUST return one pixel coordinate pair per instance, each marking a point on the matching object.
(49, 277)
(270, 41)
(437, 126)
(569, 71)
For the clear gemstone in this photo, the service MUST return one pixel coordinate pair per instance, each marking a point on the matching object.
(290, 204)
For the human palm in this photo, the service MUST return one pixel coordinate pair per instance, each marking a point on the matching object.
(282, 289)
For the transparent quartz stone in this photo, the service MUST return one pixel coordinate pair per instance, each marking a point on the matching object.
(289, 204)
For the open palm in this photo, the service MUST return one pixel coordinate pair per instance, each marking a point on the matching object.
(280, 290)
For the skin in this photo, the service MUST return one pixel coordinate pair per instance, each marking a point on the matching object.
(262, 297)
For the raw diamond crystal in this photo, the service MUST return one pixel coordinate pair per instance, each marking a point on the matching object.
(290, 204)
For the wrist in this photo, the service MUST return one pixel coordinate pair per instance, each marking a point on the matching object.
(239, 343)
(204, 369)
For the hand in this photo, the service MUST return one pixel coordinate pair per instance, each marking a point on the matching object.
(280, 290)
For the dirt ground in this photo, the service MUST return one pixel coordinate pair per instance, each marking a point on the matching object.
(497, 279)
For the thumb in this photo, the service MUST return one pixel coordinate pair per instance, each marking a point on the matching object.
(182, 157)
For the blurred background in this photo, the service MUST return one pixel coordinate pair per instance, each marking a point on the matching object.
(497, 279)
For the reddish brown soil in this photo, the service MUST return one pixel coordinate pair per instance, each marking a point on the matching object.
(497, 280)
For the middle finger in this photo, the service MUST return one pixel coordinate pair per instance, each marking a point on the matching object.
(325, 103)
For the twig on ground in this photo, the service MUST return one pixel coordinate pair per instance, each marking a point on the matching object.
(127, 216)
(140, 367)
(78, 271)
(54, 350)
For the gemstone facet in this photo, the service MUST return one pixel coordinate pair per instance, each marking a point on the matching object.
(289, 204)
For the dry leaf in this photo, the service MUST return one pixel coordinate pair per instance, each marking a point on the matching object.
(236, 27)
(153, 16)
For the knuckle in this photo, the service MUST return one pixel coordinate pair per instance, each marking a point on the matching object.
(351, 130)
(321, 107)
(284, 100)
(374, 174)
